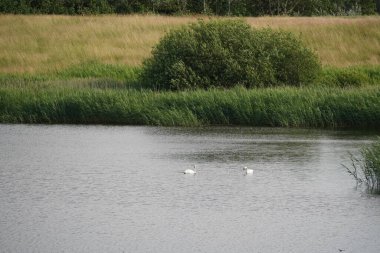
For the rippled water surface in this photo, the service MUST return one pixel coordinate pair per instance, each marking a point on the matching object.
(120, 189)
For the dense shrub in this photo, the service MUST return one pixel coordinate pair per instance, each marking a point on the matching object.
(228, 53)
(57, 7)
(216, 7)
(292, 62)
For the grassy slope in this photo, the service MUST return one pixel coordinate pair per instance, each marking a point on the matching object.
(44, 44)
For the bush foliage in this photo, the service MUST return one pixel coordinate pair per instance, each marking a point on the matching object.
(226, 53)
(217, 7)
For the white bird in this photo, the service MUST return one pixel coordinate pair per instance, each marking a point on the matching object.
(248, 171)
(190, 171)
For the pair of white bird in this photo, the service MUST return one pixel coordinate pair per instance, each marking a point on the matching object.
(194, 171)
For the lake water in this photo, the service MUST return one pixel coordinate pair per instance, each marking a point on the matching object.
(120, 189)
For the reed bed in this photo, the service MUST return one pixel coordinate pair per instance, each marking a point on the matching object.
(274, 107)
(48, 43)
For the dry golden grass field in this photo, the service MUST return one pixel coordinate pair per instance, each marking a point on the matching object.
(36, 44)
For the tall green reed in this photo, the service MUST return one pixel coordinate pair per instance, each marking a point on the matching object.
(366, 168)
(274, 107)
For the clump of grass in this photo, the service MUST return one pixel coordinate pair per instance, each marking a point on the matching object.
(367, 168)
(349, 77)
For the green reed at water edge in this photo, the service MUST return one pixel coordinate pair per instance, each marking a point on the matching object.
(275, 107)
(366, 168)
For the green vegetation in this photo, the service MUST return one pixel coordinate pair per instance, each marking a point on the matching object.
(89, 75)
(371, 166)
(217, 7)
(367, 168)
(348, 77)
(96, 75)
(92, 75)
(226, 53)
(111, 94)
(282, 107)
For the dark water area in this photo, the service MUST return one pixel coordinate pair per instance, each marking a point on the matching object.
(121, 189)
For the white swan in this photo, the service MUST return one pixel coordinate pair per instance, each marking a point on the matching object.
(190, 171)
(248, 171)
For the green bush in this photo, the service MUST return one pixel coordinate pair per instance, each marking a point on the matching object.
(228, 53)
(293, 63)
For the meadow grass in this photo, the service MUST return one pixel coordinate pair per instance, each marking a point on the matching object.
(96, 75)
(48, 43)
(89, 75)
(274, 107)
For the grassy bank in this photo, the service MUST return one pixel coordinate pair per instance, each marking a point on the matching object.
(283, 107)
(90, 75)
(41, 44)
(96, 75)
